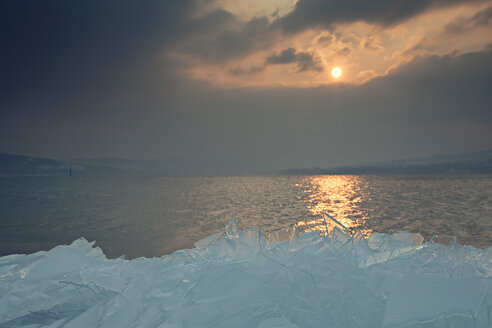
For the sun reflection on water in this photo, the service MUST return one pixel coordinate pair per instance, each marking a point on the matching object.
(340, 197)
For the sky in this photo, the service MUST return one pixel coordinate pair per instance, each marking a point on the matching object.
(246, 82)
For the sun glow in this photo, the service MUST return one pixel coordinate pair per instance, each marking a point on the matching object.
(336, 72)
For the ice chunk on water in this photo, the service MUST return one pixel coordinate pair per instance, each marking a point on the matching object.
(294, 235)
(332, 223)
(234, 278)
(358, 235)
(290, 234)
(202, 243)
(444, 240)
(232, 229)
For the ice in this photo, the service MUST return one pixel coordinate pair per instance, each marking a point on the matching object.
(443, 296)
(332, 223)
(326, 277)
(201, 244)
(232, 229)
(444, 240)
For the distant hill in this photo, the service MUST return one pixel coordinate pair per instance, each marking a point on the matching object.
(19, 165)
(166, 167)
(447, 158)
(25, 165)
(465, 163)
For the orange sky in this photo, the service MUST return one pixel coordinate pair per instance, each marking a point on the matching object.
(362, 50)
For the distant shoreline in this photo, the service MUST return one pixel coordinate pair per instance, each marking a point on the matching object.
(18, 165)
(453, 168)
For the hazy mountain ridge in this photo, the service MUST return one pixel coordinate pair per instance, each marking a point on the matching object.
(18, 165)
(25, 165)
(166, 167)
(437, 159)
(462, 163)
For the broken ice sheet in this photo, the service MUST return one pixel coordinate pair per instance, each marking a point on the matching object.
(232, 228)
(332, 223)
(423, 298)
(280, 235)
(400, 239)
(228, 281)
(324, 224)
(444, 240)
(202, 243)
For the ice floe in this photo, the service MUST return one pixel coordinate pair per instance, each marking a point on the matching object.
(244, 278)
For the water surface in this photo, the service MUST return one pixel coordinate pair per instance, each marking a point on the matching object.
(152, 216)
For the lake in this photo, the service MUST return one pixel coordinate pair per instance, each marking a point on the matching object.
(153, 216)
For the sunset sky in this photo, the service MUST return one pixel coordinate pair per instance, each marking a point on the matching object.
(246, 81)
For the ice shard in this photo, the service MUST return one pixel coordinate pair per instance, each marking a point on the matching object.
(240, 278)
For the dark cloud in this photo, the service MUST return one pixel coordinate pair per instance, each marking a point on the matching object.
(322, 13)
(448, 88)
(427, 106)
(481, 19)
(305, 61)
(64, 52)
(287, 56)
(93, 79)
(370, 44)
(232, 39)
(345, 51)
(238, 71)
(326, 39)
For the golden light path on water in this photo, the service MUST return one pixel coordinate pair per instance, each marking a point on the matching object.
(340, 197)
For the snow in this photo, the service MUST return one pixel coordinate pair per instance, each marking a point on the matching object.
(242, 278)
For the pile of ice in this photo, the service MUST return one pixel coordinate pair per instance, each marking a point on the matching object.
(242, 278)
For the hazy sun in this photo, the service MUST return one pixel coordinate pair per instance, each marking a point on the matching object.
(336, 72)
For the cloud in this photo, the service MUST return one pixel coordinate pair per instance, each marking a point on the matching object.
(460, 25)
(69, 51)
(372, 44)
(62, 50)
(238, 71)
(326, 39)
(325, 14)
(367, 75)
(433, 104)
(232, 39)
(345, 51)
(305, 61)
(416, 46)
(98, 78)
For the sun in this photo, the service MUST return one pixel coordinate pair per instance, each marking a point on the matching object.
(336, 72)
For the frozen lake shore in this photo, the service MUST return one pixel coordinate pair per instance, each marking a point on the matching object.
(242, 278)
